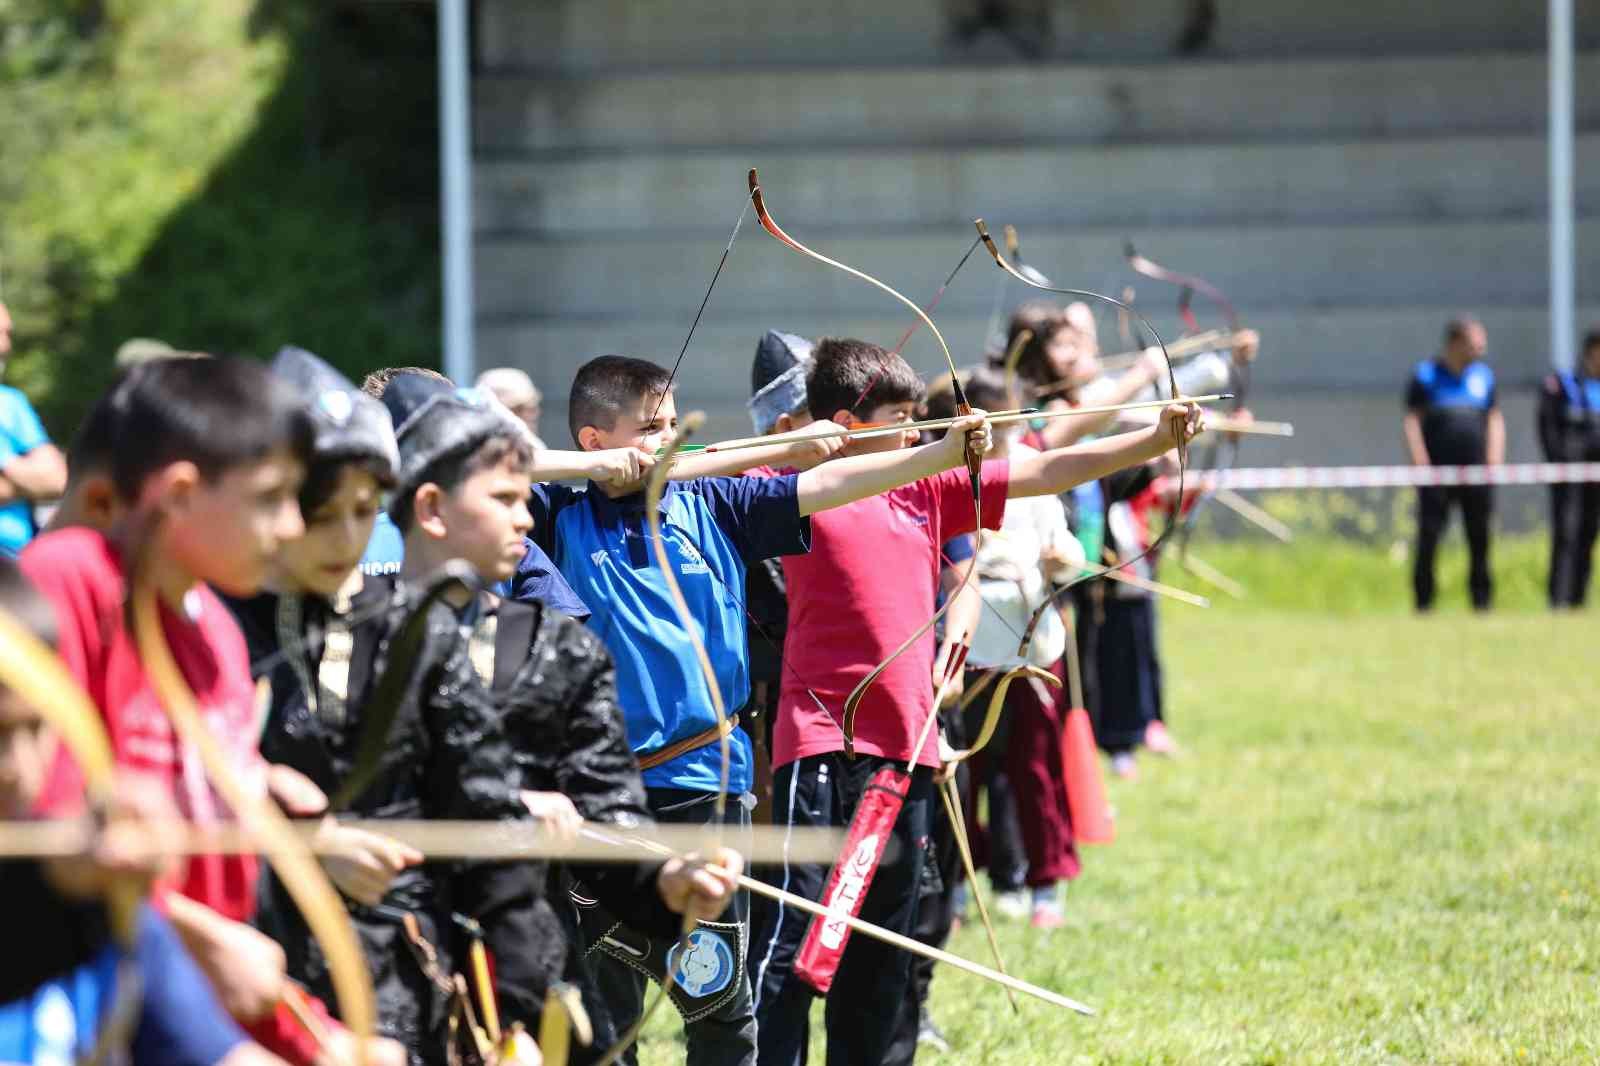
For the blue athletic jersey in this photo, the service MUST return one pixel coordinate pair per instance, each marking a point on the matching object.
(1582, 395)
(180, 1021)
(714, 528)
(20, 433)
(1454, 409)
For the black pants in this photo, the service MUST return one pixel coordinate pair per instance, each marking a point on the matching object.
(1129, 669)
(873, 984)
(726, 1037)
(1433, 512)
(1574, 523)
(997, 844)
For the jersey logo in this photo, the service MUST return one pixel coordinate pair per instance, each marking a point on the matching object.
(1477, 386)
(693, 562)
(706, 968)
(598, 557)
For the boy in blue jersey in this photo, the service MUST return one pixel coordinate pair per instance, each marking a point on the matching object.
(31, 468)
(715, 527)
(1569, 432)
(1453, 419)
(65, 975)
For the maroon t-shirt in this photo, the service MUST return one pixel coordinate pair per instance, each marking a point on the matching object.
(867, 584)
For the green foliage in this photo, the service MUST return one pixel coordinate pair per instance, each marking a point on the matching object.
(221, 174)
(1373, 850)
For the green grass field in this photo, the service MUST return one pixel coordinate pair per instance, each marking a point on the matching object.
(1378, 847)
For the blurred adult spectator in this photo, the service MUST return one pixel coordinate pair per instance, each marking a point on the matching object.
(1569, 432)
(518, 392)
(1453, 419)
(31, 468)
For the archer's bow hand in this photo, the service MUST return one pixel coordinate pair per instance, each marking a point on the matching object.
(700, 887)
(970, 434)
(362, 864)
(1179, 424)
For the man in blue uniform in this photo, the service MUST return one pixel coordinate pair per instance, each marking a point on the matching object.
(1569, 432)
(1453, 419)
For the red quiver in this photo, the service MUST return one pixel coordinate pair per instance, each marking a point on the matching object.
(871, 829)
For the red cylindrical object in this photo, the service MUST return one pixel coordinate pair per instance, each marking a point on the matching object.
(1086, 789)
(870, 831)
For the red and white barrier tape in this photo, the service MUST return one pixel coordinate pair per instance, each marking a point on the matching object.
(1378, 477)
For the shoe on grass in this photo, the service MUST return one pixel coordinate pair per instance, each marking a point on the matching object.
(929, 1034)
(1013, 905)
(1158, 740)
(1047, 914)
(1124, 766)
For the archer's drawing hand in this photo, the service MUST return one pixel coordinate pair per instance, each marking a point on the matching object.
(697, 887)
(362, 864)
(808, 450)
(620, 468)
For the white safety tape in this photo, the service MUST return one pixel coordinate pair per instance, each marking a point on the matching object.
(1376, 477)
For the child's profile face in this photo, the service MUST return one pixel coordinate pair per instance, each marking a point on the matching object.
(486, 518)
(228, 532)
(25, 748)
(336, 536)
(648, 426)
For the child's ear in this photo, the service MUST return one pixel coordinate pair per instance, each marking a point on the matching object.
(171, 488)
(843, 418)
(427, 512)
(589, 439)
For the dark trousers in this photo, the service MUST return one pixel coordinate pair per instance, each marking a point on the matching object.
(873, 984)
(726, 1037)
(1433, 513)
(1129, 671)
(997, 844)
(1574, 523)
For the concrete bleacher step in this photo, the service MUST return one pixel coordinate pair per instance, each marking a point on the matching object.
(1335, 352)
(1380, 96)
(626, 34)
(1452, 177)
(1382, 264)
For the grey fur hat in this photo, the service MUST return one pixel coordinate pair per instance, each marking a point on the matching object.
(778, 378)
(434, 421)
(348, 424)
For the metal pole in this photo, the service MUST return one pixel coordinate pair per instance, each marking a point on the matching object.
(455, 190)
(1561, 201)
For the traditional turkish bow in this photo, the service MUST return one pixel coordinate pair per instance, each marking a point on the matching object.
(31, 670)
(852, 702)
(291, 859)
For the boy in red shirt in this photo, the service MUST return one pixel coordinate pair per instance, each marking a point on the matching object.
(862, 589)
(208, 465)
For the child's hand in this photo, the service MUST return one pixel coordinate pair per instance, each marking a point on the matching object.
(247, 969)
(807, 451)
(293, 791)
(1178, 425)
(555, 814)
(972, 431)
(1246, 342)
(620, 468)
(362, 865)
(695, 889)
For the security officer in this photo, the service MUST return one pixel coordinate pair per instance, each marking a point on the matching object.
(1453, 419)
(1569, 431)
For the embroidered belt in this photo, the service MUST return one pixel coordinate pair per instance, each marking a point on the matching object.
(687, 744)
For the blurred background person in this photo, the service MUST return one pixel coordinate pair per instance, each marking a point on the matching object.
(31, 468)
(1453, 419)
(517, 391)
(1569, 432)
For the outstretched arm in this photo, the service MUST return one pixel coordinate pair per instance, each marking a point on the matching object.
(855, 477)
(1056, 471)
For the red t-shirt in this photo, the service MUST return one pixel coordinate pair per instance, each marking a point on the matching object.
(869, 580)
(80, 572)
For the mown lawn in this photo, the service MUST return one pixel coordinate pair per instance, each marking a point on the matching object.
(1380, 846)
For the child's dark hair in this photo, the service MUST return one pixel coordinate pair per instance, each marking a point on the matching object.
(374, 383)
(1591, 340)
(451, 470)
(857, 376)
(322, 481)
(610, 384)
(1042, 320)
(986, 388)
(101, 434)
(214, 413)
(25, 603)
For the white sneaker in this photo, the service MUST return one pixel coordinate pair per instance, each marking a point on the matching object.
(1013, 905)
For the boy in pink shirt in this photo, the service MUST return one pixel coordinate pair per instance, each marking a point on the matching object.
(864, 587)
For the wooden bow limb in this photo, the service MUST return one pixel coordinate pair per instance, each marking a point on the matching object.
(1211, 575)
(1155, 587)
(958, 828)
(438, 841)
(307, 883)
(294, 998)
(952, 670)
(1254, 514)
(997, 702)
(562, 1020)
